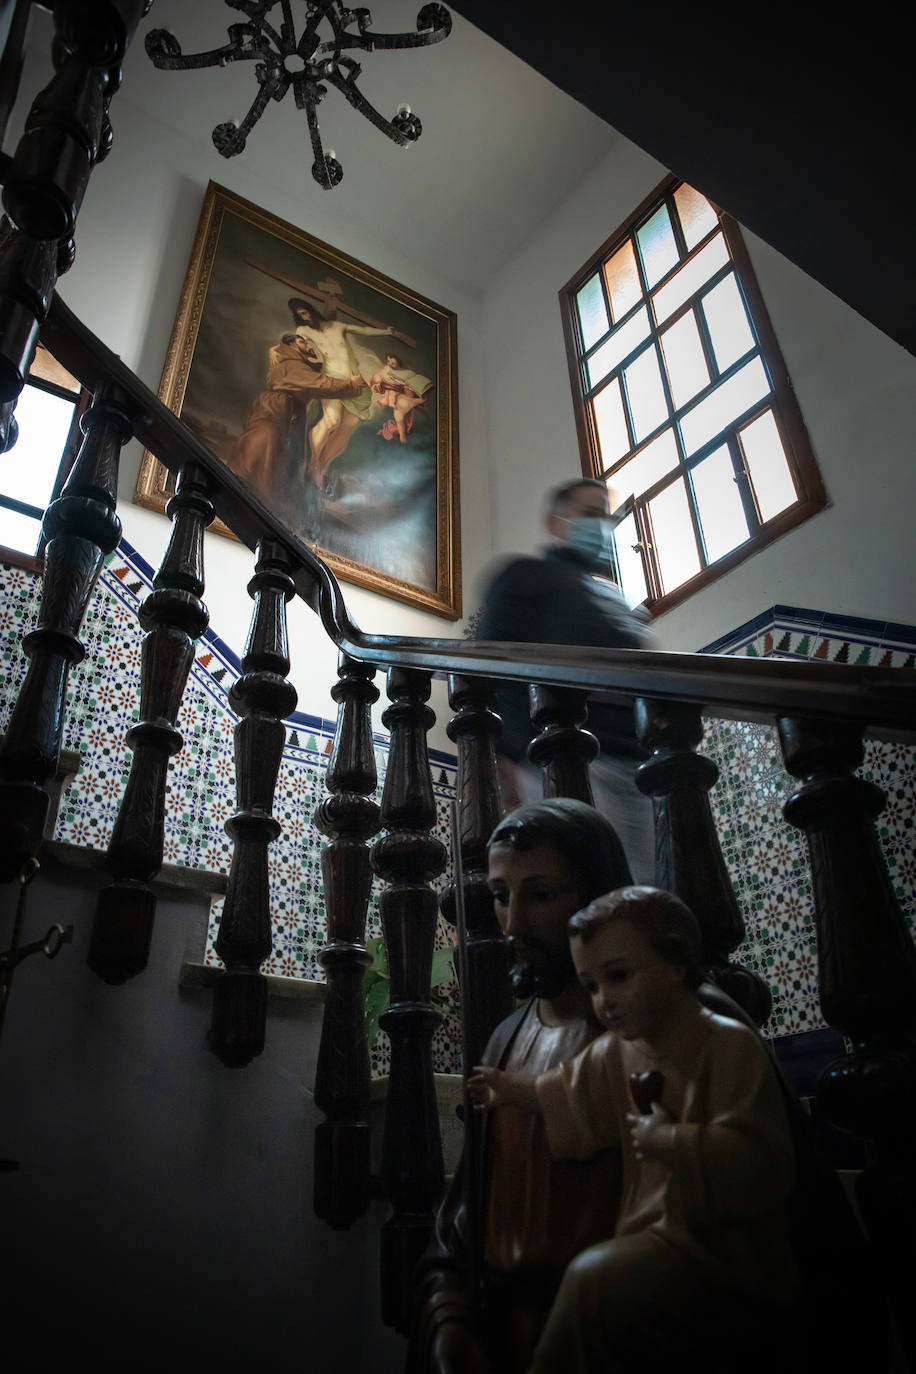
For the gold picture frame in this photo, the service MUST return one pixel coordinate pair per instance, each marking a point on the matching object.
(331, 389)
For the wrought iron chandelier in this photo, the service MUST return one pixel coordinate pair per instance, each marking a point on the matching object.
(308, 64)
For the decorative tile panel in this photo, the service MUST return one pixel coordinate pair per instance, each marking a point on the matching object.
(102, 704)
(766, 856)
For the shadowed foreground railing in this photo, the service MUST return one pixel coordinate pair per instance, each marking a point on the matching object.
(867, 964)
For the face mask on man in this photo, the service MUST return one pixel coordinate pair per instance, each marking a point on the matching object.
(591, 536)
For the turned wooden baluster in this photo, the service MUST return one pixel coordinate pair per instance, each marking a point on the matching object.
(174, 617)
(563, 748)
(688, 857)
(407, 857)
(867, 984)
(263, 698)
(488, 996)
(81, 528)
(349, 817)
(66, 133)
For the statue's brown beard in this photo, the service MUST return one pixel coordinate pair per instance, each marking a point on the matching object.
(540, 970)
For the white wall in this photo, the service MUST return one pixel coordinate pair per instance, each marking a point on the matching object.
(134, 237)
(856, 389)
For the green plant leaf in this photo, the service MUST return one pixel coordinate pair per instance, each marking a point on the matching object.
(443, 968)
(376, 1004)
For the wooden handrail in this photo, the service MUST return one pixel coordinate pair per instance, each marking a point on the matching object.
(744, 688)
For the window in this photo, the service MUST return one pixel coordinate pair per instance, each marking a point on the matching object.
(33, 471)
(683, 405)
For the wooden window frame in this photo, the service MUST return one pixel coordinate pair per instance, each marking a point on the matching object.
(812, 496)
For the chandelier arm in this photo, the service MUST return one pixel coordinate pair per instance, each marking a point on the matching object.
(434, 23)
(229, 138)
(354, 96)
(326, 170)
(392, 41)
(164, 50)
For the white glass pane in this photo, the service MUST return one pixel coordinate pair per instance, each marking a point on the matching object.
(644, 469)
(685, 360)
(629, 562)
(18, 531)
(727, 321)
(622, 277)
(621, 342)
(645, 394)
(657, 246)
(29, 469)
(611, 424)
(690, 278)
(729, 400)
(592, 311)
(766, 463)
(719, 507)
(697, 216)
(672, 531)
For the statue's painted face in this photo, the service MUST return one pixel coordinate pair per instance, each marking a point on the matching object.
(632, 988)
(535, 893)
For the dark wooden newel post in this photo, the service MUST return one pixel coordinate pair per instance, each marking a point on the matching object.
(174, 617)
(408, 857)
(67, 131)
(81, 527)
(349, 817)
(867, 982)
(263, 698)
(488, 996)
(688, 858)
(563, 748)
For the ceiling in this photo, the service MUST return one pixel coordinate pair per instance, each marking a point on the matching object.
(461, 201)
(797, 120)
(803, 132)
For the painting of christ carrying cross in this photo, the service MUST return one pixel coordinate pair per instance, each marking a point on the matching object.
(330, 390)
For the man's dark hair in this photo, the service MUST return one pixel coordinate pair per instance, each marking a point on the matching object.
(557, 499)
(295, 304)
(667, 923)
(587, 841)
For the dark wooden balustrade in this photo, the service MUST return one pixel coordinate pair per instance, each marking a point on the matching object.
(349, 817)
(67, 131)
(563, 748)
(867, 985)
(174, 617)
(263, 698)
(81, 528)
(488, 996)
(407, 857)
(688, 857)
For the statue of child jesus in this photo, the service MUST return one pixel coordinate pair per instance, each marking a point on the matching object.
(703, 1228)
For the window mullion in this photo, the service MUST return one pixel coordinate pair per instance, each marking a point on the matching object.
(744, 484)
(647, 549)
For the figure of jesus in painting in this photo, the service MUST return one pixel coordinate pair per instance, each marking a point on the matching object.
(403, 390)
(330, 340)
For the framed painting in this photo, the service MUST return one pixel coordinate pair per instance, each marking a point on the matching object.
(331, 390)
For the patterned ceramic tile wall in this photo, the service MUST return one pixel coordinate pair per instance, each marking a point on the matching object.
(102, 703)
(767, 857)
